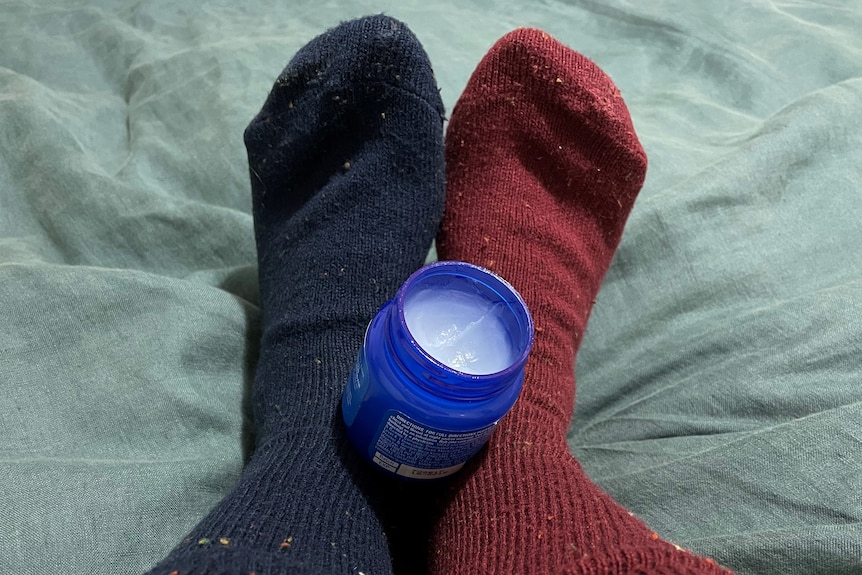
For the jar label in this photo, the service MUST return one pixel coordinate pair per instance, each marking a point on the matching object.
(407, 448)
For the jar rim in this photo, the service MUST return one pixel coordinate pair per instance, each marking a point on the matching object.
(491, 282)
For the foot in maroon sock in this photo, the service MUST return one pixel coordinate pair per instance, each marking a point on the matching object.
(543, 169)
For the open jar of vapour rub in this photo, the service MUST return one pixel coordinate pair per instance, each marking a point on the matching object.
(441, 363)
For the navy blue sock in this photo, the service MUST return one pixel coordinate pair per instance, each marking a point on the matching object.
(346, 163)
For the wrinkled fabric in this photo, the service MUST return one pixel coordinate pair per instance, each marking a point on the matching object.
(719, 382)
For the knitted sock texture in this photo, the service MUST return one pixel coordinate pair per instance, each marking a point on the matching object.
(346, 166)
(543, 168)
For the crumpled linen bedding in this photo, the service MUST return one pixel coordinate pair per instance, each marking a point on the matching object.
(719, 382)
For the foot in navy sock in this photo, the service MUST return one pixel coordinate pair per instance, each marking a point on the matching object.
(346, 162)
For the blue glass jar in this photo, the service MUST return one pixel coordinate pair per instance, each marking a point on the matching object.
(442, 362)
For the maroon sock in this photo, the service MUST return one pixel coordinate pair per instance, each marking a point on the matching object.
(543, 169)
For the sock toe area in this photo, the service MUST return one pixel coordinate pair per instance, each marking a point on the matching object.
(336, 112)
(527, 58)
(529, 74)
(370, 50)
(386, 50)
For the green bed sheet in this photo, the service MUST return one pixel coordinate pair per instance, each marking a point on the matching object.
(720, 380)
